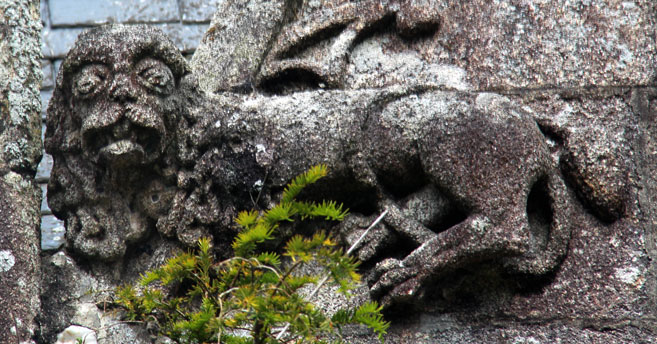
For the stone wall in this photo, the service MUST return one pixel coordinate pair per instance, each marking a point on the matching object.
(511, 142)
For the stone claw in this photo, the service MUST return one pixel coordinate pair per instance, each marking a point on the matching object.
(391, 281)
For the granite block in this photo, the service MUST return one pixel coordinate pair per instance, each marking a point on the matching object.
(192, 35)
(82, 13)
(185, 37)
(154, 11)
(43, 171)
(56, 65)
(45, 13)
(197, 10)
(72, 13)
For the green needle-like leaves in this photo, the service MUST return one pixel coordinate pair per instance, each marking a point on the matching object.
(250, 298)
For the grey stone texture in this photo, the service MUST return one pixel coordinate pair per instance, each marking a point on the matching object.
(123, 111)
(19, 257)
(185, 24)
(193, 11)
(64, 20)
(78, 13)
(511, 142)
(246, 38)
(56, 42)
(20, 151)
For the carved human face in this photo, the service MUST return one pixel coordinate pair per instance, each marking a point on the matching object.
(112, 133)
(124, 100)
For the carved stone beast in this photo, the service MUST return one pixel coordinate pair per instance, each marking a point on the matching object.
(467, 178)
(112, 128)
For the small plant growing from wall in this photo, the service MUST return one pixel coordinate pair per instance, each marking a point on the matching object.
(254, 296)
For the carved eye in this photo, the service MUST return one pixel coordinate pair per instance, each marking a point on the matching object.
(89, 81)
(155, 75)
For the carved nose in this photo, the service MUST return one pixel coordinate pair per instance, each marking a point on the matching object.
(123, 89)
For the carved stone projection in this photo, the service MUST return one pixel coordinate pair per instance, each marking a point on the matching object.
(480, 163)
(467, 178)
(518, 190)
(112, 129)
(340, 28)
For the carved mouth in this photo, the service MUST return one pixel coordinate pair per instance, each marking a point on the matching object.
(123, 141)
(124, 151)
(140, 143)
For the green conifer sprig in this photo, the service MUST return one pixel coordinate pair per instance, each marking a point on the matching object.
(253, 297)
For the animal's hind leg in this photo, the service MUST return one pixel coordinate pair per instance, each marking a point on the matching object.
(473, 240)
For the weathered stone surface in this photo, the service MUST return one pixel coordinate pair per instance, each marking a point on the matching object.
(74, 333)
(198, 10)
(521, 217)
(185, 36)
(126, 83)
(594, 136)
(20, 145)
(644, 103)
(239, 36)
(562, 44)
(444, 330)
(316, 48)
(20, 69)
(81, 295)
(19, 257)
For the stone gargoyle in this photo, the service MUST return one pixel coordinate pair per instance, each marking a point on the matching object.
(466, 177)
(112, 127)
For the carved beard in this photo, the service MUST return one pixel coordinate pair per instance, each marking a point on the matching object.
(123, 135)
